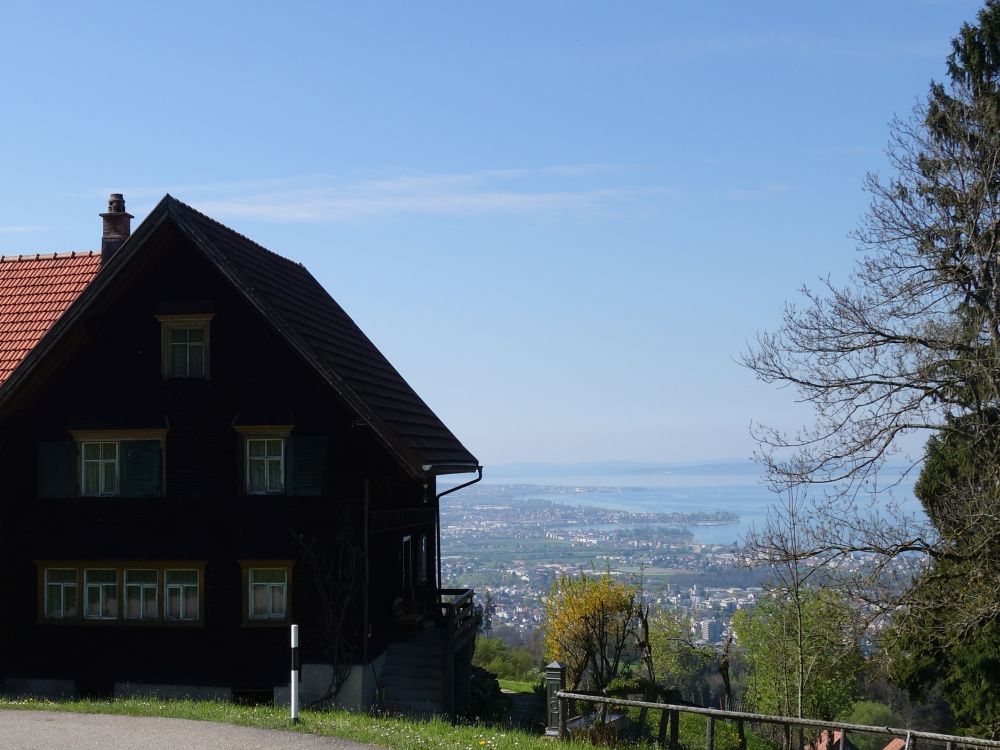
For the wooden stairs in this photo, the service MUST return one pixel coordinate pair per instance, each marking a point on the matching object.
(412, 680)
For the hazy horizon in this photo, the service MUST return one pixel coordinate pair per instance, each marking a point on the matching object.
(561, 222)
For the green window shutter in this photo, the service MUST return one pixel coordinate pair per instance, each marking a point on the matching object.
(57, 469)
(140, 468)
(306, 468)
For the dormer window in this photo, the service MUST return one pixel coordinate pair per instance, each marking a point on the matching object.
(185, 345)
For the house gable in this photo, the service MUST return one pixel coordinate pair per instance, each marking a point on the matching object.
(301, 312)
(108, 379)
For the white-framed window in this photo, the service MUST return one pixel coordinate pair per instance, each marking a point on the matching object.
(181, 596)
(265, 465)
(141, 594)
(268, 593)
(126, 592)
(100, 594)
(99, 468)
(185, 345)
(118, 463)
(60, 593)
(187, 352)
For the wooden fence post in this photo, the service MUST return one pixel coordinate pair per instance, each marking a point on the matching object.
(661, 736)
(710, 733)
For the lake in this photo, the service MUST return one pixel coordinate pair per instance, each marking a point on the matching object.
(663, 488)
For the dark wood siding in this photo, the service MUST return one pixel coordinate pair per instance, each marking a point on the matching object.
(108, 377)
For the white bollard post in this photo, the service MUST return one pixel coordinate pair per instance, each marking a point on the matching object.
(295, 673)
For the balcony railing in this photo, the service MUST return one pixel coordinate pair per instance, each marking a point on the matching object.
(458, 614)
(457, 610)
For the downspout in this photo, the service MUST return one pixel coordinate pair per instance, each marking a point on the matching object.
(366, 625)
(437, 512)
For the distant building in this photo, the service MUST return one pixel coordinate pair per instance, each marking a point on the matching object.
(711, 630)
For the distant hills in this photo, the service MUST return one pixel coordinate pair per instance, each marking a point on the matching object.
(622, 468)
(642, 473)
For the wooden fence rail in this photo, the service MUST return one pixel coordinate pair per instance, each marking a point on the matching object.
(559, 710)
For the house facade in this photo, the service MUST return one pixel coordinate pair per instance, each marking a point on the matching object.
(202, 448)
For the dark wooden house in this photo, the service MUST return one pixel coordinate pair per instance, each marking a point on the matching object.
(201, 448)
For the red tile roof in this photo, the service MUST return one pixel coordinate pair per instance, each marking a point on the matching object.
(34, 291)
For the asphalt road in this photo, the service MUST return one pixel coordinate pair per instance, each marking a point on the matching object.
(45, 730)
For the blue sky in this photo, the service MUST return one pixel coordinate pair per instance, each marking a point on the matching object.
(561, 221)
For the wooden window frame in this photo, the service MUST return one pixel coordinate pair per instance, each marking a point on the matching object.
(265, 462)
(170, 323)
(44, 608)
(246, 568)
(83, 437)
(80, 567)
(142, 586)
(183, 599)
(101, 462)
(252, 433)
(101, 587)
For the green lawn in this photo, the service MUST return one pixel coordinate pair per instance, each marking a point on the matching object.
(692, 734)
(517, 686)
(396, 733)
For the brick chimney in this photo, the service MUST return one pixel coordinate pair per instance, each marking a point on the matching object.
(117, 226)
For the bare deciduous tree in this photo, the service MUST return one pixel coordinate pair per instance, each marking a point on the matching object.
(911, 344)
(336, 573)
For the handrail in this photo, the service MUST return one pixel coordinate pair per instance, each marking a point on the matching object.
(459, 609)
(462, 595)
(458, 615)
(784, 720)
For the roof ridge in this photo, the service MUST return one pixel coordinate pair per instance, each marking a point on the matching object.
(49, 256)
(229, 229)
